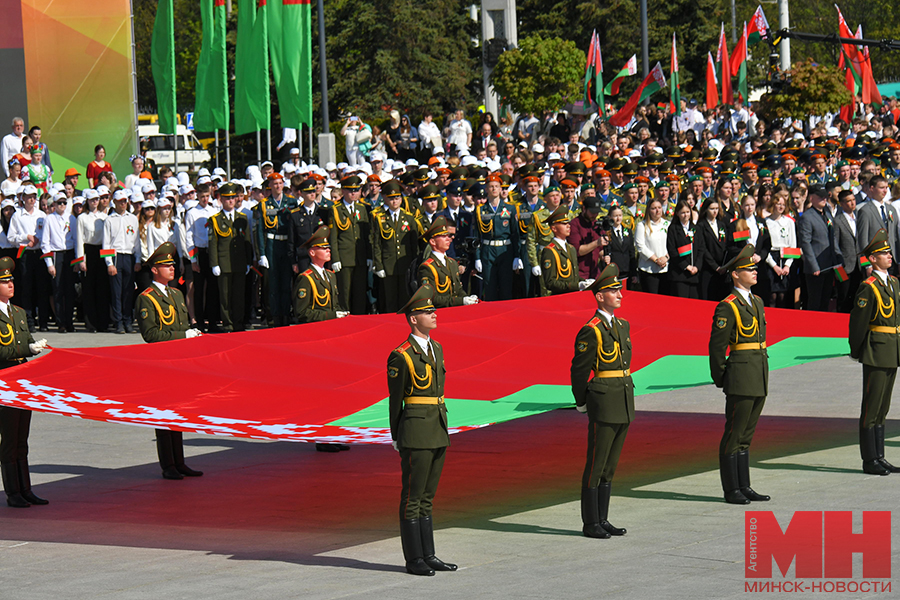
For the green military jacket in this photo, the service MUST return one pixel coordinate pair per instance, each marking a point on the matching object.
(394, 243)
(876, 307)
(745, 371)
(349, 236)
(315, 296)
(412, 373)
(271, 223)
(230, 248)
(600, 347)
(559, 268)
(444, 280)
(162, 317)
(14, 337)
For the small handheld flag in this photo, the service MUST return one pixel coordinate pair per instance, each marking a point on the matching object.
(791, 253)
(740, 236)
(840, 273)
(686, 249)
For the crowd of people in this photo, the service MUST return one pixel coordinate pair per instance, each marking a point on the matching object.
(669, 199)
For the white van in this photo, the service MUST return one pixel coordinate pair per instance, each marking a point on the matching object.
(161, 148)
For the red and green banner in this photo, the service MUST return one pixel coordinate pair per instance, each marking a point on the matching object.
(211, 110)
(840, 273)
(740, 236)
(674, 81)
(654, 82)
(686, 249)
(723, 68)
(739, 64)
(860, 62)
(712, 84)
(791, 253)
(864, 262)
(252, 102)
(630, 68)
(593, 76)
(290, 48)
(162, 63)
(758, 27)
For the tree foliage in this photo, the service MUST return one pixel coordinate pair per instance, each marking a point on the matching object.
(813, 89)
(541, 74)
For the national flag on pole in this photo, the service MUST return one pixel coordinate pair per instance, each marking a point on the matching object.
(674, 81)
(841, 273)
(589, 70)
(654, 82)
(739, 64)
(758, 27)
(630, 68)
(864, 262)
(593, 76)
(686, 249)
(739, 236)
(791, 253)
(211, 110)
(723, 68)
(859, 62)
(162, 64)
(712, 85)
(290, 48)
(848, 110)
(252, 102)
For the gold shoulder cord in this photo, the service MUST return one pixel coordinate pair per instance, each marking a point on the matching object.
(219, 232)
(523, 227)
(319, 299)
(561, 273)
(438, 286)
(542, 230)
(415, 376)
(885, 310)
(381, 228)
(165, 317)
(743, 330)
(270, 224)
(7, 337)
(484, 228)
(605, 357)
(337, 220)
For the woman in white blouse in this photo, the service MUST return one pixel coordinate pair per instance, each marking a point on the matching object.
(650, 237)
(783, 232)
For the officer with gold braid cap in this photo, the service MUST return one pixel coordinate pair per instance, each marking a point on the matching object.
(441, 272)
(559, 258)
(316, 291)
(418, 417)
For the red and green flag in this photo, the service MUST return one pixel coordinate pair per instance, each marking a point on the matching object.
(739, 64)
(654, 82)
(674, 81)
(841, 273)
(712, 84)
(739, 236)
(864, 262)
(686, 249)
(211, 110)
(162, 65)
(290, 48)
(859, 62)
(723, 68)
(791, 253)
(758, 27)
(252, 102)
(593, 76)
(630, 68)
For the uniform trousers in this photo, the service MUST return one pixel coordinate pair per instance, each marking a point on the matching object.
(352, 289)
(605, 442)
(206, 292)
(231, 300)
(121, 287)
(277, 281)
(496, 264)
(394, 291)
(878, 384)
(15, 425)
(33, 288)
(741, 415)
(420, 470)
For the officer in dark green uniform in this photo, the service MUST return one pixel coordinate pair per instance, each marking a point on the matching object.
(418, 418)
(441, 272)
(875, 342)
(395, 244)
(316, 290)
(230, 253)
(559, 259)
(602, 386)
(351, 249)
(271, 223)
(163, 316)
(497, 254)
(16, 345)
(739, 325)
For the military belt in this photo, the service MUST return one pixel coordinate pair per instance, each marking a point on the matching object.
(883, 329)
(276, 237)
(611, 374)
(747, 346)
(424, 400)
(496, 242)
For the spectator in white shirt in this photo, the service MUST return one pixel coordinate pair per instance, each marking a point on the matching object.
(121, 249)
(58, 247)
(94, 281)
(650, 238)
(25, 232)
(12, 143)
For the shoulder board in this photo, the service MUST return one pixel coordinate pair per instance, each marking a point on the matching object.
(729, 299)
(402, 347)
(428, 261)
(870, 280)
(147, 291)
(306, 272)
(593, 322)
(293, 210)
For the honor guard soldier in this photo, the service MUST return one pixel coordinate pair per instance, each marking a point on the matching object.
(271, 222)
(875, 342)
(559, 259)
(395, 245)
(163, 316)
(303, 222)
(418, 416)
(316, 290)
(441, 272)
(526, 209)
(497, 255)
(230, 255)
(351, 250)
(16, 345)
(739, 325)
(602, 386)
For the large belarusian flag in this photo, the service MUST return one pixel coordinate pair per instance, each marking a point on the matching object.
(162, 64)
(654, 82)
(859, 62)
(739, 64)
(630, 68)
(252, 102)
(712, 85)
(723, 68)
(758, 27)
(674, 81)
(290, 48)
(593, 76)
(211, 105)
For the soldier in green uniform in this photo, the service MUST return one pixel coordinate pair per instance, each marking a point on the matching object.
(559, 259)
(16, 345)
(739, 325)
(602, 386)
(529, 204)
(351, 250)
(875, 342)
(316, 291)
(418, 419)
(271, 222)
(395, 244)
(441, 272)
(230, 253)
(163, 316)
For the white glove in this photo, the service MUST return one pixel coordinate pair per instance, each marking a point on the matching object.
(583, 285)
(470, 300)
(342, 313)
(37, 347)
(336, 267)
(192, 333)
(395, 446)
(581, 409)
(217, 270)
(263, 261)
(380, 274)
(517, 264)
(478, 265)
(536, 271)
(247, 272)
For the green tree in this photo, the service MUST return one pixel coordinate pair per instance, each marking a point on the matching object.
(812, 89)
(541, 74)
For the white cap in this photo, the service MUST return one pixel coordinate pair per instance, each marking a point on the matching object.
(204, 172)
(148, 204)
(217, 177)
(148, 186)
(376, 156)
(58, 187)
(437, 150)
(186, 189)
(220, 171)
(412, 163)
(6, 203)
(204, 179)
(553, 156)
(138, 190)
(128, 192)
(103, 190)
(295, 151)
(90, 194)
(119, 195)
(163, 202)
(288, 168)
(468, 160)
(537, 148)
(341, 166)
(183, 178)
(172, 181)
(833, 132)
(60, 196)
(330, 166)
(77, 200)
(251, 170)
(636, 153)
(799, 136)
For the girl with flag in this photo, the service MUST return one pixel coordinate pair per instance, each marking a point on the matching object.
(750, 228)
(684, 267)
(710, 236)
(783, 233)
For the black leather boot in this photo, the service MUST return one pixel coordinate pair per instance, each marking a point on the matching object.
(728, 474)
(10, 473)
(166, 455)
(426, 525)
(178, 453)
(879, 446)
(743, 473)
(868, 448)
(590, 515)
(25, 484)
(604, 492)
(411, 538)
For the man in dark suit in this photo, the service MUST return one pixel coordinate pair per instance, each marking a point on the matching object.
(876, 214)
(304, 221)
(820, 253)
(621, 243)
(484, 137)
(845, 228)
